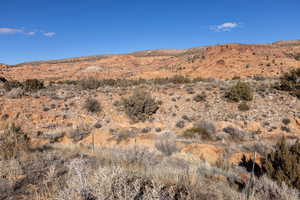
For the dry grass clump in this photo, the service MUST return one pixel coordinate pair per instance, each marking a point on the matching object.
(134, 173)
(12, 142)
(265, 189)
(169, 178)
(80, 132)
(203, 130)
(239, 92)
(236, 134)
(162, 181)
(15, 93)
(123, 135)
(166, 144)
(140, 106)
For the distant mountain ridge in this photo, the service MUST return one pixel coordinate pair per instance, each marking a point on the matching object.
(218, 61)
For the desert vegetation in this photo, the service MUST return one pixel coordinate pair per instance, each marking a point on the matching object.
(282, 164)
(30, 85)
(140, 106)
(92, 105)
(240, 92)
(59, 172)
(290, 82)
(176, 137)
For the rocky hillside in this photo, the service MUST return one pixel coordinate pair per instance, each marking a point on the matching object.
(105, 127)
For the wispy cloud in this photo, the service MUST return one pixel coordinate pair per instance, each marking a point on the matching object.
(11, 31)
(228, 26)
(49, 34)
(31, 33)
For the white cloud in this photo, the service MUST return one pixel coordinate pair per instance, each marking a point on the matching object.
(49, 34)
(31, 33)
(228, 26)
(10, 31)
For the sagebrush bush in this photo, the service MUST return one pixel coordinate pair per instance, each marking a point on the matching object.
(92, 105)
(32, 85)
(290, 81)
(140, 106)
(240, 92)
(12, 142)
(283, 163)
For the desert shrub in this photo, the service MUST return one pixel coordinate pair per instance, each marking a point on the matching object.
(92, 83)
(221, 62)
(235, 133)
(92, 105)
(3, 80)
(123, 135)
(243, 106)
(32, 85)
(180, 124)
(9, 85)
(283, 163)
(200, 97)
(140, 106)
(80, 132)
(241, 91)
(15, 93)
(296, 56)
(12, 142)
(236, 78)
(169, 180)
(203, 130)
(250, 165)
(286, 121)
(190, 90)
(178, 79)
(290, 81)
(89, 84)
(166, 144)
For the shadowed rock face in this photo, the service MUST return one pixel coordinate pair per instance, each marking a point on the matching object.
(221, 61)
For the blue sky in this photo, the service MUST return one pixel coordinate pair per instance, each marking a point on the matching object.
(51, 29)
